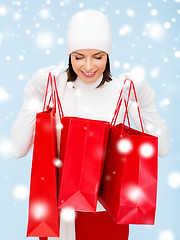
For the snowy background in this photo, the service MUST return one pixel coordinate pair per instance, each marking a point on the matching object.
(146, 38)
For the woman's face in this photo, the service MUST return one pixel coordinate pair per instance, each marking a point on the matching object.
(88, 64)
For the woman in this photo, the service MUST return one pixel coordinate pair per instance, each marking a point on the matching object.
(87, 90)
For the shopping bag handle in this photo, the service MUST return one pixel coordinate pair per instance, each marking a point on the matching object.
(52, 93)
(61, 114)
(126, 111)
(116, 112)
(118, 105)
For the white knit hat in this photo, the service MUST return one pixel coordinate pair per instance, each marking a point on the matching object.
(89, 29)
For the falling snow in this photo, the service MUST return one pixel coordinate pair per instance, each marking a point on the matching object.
(3, 10)
(155, 31)
(177, 54)
(45, 13)
(125, 30)
(130, 13)
(135, 194)
(20, 192)
(45, 40)
(4, 95)
(39, 210)
(174, 180)
(116, 64)
(154, 72)
(145, 42)
(68, 215)
(166, 235)
(146, 150)
(154, 12)
(124, 146)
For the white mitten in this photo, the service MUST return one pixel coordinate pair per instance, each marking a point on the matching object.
(144, 92)
(36, 87)
(152, 122)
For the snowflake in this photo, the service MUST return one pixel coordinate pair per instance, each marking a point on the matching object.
(177, 54)
(126, 66)
(60, 41)
(4, 95)
(58, 163)
(167, 25)
(124, 145)
(154, 12)
(45, 39)
(166, 235)
(28, 31)
(17, 16)
(5, 146)
(125, 30)
(39, 210)
(154, 72)
(130, 12)
(21, 77)
(138, 73)
(68, 215)
(3, 10)
(174, 179)
(61, 4)
(8, 58)
(165, 59)
(134, 193)
(21, 58)
(116, 64)
(45, 13)
(146, 150)
(155, 31)
(20, 192)
(81, 5)
(165, 102)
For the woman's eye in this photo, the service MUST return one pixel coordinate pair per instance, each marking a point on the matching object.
(77, 58)
(98, 57)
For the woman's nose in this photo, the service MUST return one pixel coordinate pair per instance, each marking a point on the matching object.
(88, 65)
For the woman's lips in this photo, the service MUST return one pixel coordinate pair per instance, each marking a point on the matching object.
(89, 74)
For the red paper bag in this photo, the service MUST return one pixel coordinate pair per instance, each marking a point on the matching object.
(129, 183)
(82, 152)
(99, 226)
(43, 212)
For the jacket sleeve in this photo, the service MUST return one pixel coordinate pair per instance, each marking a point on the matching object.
(21, 136)
(22, 133)
(153, 124)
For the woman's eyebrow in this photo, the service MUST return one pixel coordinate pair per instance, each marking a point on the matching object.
(98, 53)
(77, 53)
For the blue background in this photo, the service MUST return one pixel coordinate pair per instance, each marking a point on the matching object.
(21, 56)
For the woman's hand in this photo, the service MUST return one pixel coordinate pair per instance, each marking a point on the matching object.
(145, 94)
(36, 87)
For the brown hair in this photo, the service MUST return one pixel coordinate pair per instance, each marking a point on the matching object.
(106, 74)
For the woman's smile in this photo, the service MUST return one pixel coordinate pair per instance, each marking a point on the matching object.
(89, 75)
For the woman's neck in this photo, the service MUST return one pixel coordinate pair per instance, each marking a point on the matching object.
(79, 84)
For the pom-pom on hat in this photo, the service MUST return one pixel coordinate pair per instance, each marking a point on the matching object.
(89, 29)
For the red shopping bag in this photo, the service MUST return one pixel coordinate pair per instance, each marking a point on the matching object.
(129, 183)
(82, 152)
(43, 219)
(99, 226)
